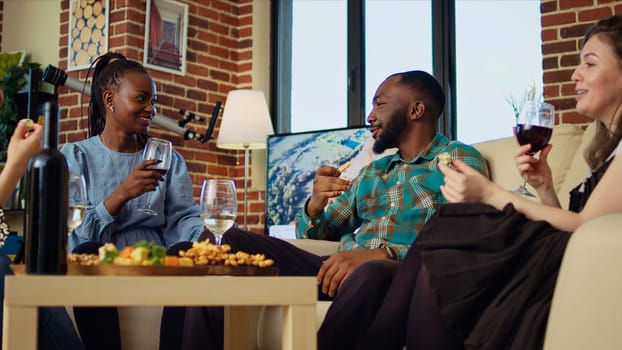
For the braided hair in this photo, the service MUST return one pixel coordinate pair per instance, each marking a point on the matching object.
(108, 71)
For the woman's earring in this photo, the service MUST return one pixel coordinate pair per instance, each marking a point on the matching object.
(112, 108)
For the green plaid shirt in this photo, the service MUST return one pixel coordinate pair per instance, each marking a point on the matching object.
(389, 201)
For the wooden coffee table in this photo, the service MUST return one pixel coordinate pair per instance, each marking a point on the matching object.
(298, 296)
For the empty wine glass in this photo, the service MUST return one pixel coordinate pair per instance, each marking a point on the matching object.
(534, 126)
(162, 150)
(77, 202)
(219, 206)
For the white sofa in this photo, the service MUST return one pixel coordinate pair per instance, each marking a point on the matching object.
(587, 309)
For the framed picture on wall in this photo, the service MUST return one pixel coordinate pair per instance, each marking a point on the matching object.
(166, 30)
(88, 32)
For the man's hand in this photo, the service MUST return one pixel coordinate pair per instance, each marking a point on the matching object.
(340, 265)
(326, 185)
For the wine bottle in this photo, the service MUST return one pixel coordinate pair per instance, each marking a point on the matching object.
(46, 207)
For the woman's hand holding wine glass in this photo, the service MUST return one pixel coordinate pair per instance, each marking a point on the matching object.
(162, 150)
(534, 126)
(219, 206)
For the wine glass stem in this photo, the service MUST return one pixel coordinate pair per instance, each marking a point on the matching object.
(148, 204)
(524, 181)
(218, 239)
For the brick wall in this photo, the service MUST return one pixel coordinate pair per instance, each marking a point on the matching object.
(563, 24)
(218, 59)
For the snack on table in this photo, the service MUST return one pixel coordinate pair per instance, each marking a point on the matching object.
(444, 158)
(206, 253)
(83, 259)
(148, 254)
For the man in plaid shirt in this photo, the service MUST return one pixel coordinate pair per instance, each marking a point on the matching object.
(375, 217)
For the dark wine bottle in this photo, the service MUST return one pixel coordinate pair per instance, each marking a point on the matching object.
(46, 206)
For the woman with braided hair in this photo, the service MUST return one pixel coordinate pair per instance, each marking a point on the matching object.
(120, 111)
(122, 105)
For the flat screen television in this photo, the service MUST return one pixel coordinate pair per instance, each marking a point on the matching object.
(292, 160)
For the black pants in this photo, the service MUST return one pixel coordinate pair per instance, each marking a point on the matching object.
(409, 314)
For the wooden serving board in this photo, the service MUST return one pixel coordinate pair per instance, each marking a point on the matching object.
(197, 270)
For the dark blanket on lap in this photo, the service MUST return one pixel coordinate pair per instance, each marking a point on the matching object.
(493, 273)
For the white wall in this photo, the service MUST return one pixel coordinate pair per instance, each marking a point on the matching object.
(34, 26)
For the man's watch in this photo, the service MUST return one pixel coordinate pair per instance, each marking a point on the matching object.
(390, 252)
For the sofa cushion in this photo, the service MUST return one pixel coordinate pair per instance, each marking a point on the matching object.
(586, 312)
(316, 246)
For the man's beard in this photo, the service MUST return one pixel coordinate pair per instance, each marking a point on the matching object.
(390, 134)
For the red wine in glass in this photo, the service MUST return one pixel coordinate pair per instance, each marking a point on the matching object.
(534, 126)
(536, 136)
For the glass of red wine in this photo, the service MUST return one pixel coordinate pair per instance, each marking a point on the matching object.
(157, 149)
(534, 126)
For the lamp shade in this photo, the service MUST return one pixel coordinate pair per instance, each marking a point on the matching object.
(245, 121)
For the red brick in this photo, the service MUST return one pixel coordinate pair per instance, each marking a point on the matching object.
(218, 51)
(185, 80)
(245, 21)
(574, 31)
(559, 46)
(565, 103)
(558, 19)
(557, 76)
(207, 13)
(551, 91)
(196, 70)
(594, 14)
(568, 89)
(575, 118)
(219, 28)
(222, 6)
(197, 45)
(571, 60)
(573, 4)
(548, 6)
(198, 22)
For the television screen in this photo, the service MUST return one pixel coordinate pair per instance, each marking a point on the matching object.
(292, 160)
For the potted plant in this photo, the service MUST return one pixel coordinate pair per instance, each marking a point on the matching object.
(517, 103)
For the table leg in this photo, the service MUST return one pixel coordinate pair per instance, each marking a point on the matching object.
(237, 327)
(19, 327)
(299, 329)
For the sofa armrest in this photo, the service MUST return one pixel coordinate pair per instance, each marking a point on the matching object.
(586, 311)
(316, 246)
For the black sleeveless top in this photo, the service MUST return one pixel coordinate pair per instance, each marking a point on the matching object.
(580, 194)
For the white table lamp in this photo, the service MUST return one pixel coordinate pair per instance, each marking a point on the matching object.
(245, 125)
